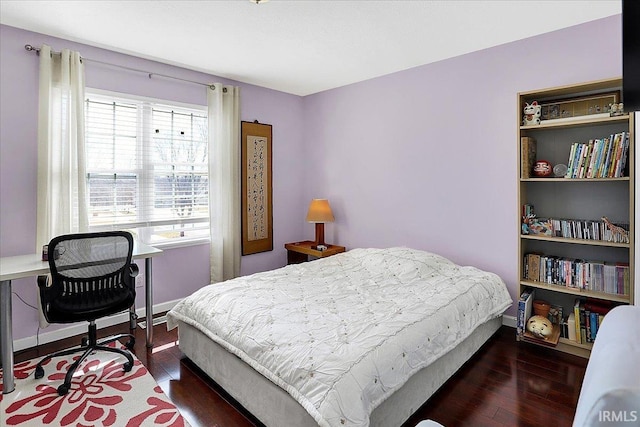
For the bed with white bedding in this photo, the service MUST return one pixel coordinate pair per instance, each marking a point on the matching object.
(360, 338)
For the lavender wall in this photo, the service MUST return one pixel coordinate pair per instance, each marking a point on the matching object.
(426, 157)
(177, 272)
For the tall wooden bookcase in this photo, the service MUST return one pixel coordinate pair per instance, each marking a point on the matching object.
(575, 198)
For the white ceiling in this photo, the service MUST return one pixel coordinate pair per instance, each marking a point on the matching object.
(300, 47)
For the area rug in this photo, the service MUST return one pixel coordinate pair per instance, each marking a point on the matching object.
(101, 394)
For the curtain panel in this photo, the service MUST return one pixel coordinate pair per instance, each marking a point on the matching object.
(224, 180)
(62, 193)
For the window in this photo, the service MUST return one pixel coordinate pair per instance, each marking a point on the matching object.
(147, 168)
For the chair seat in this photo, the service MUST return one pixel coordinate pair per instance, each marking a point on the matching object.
(89, 305)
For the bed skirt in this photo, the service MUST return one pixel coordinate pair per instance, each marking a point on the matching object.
(274, 407)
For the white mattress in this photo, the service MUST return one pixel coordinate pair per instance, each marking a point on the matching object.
(341, 334)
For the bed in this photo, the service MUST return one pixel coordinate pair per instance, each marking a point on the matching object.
(357, 339)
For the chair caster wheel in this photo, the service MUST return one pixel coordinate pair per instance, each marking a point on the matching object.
(127, 366)
(39, 372)
(62, 390)
(129, 344)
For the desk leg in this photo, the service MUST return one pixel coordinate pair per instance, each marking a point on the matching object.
(148, 292)
(6, 337)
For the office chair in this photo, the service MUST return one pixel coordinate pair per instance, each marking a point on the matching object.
(92, 276)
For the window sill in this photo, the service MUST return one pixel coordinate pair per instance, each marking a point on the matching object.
(180, 244)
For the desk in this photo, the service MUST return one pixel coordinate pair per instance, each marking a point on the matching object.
(22, 266)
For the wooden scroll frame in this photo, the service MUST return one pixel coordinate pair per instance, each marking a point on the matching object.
(257, 188)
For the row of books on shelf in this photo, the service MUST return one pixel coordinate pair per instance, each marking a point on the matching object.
(587, 229)
(580, 325)
(599, 158)
(580, 229)
(596, 276)
(584, 322)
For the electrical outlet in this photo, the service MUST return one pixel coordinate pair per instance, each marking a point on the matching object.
(140, 280)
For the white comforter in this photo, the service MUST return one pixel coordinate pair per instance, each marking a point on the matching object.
(341, 334)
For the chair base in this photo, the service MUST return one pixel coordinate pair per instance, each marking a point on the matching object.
(89, 345)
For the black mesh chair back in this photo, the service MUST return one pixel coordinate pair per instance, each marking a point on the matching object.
(92, 276)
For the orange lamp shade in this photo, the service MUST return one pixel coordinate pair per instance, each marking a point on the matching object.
(320, 211)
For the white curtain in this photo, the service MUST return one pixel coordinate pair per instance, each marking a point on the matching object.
(62, 194)
(224, 180)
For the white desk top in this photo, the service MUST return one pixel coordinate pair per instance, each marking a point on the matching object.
(16, 267)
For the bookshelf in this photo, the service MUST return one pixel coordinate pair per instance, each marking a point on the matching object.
(583, 198)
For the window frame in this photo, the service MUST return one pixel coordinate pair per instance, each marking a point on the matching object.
(145, 169)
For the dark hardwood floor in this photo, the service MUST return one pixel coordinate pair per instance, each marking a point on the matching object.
(504, 384)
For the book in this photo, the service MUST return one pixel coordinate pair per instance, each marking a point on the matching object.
(525, 304)
(584, 160)
(612, 157)
(576, 317)
(576, 160)
(571, 321)
(625, 154)
(583, 323)
(609, 158)
(592, 159)
(603, 159)
(533, 271)
(528, 152)
(587, 160)
(579, 155)
(597, 157)
(594, 325)
(618, 157)
(570, 162)
(587, 325)
(598, 306)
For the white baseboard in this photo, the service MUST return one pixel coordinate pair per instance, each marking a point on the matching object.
(81, 328)
(509, 321)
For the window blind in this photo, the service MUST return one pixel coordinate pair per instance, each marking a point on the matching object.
(147, 168)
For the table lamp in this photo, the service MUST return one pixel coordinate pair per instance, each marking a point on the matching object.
(319, 213)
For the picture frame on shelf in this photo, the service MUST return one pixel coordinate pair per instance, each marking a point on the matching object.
(575, 108)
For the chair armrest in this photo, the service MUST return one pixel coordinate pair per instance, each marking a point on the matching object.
(133, 269)
(44, 288)
(43, 281)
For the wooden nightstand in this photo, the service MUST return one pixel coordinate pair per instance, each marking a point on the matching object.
(300, 251)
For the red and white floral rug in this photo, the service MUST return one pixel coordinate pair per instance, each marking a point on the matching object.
(101, 394)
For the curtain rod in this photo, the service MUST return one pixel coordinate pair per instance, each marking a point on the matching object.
(31, 48)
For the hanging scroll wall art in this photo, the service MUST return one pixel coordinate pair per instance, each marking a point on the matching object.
(257, 201)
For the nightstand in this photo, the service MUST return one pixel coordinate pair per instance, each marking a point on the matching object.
(300, 251)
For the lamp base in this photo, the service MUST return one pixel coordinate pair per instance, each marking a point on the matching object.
(319, 234)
